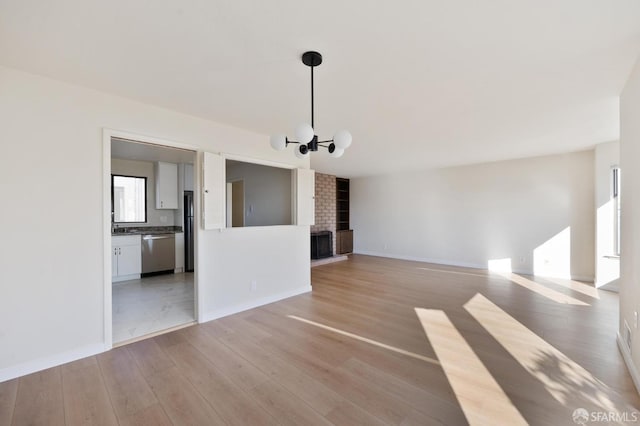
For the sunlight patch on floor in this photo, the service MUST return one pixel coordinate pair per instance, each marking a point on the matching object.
(453, 272)
(481, 398)
(366, 340)
(586, 289)
(563, 378)
(500, 268)
(542, 290)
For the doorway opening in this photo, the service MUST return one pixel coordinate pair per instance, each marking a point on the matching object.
(152, 285)
(235, 204)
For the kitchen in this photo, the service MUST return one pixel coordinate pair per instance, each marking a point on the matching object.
(152, 239)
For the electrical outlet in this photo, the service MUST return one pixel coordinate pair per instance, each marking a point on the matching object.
(522, 259)
(254, 285)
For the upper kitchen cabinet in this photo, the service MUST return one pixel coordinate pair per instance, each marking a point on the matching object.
(166, 185)
(188, 178)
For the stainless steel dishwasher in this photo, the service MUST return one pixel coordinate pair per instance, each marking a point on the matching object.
(158, 253)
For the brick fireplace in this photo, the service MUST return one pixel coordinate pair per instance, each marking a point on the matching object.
(325, 198)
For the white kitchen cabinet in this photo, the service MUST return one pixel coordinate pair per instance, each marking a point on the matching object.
(179, 252)
(126, 257)
(188, 178)
(166, 185)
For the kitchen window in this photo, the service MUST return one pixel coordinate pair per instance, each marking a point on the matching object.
(128, 199)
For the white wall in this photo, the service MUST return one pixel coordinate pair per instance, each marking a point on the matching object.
(607, 155)
(472, 214)
(267, 192)
(52, 259)
(277, 258)
(630, 249)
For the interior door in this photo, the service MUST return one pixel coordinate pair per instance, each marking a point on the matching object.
(305, 196)
(213, 191)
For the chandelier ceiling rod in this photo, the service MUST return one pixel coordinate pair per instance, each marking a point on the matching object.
(312, 60)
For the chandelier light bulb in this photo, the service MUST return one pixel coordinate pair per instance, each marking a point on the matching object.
(278, 142)
(337, 153)
(304, 133)
(342, 139)
(299, 154)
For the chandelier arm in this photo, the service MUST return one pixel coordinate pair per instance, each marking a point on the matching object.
(331, 147)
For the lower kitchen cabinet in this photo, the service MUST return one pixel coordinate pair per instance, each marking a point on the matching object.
(126, 257)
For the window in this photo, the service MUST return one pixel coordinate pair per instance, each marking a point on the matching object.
(615, 194)
(257, 195)
(283, 197)
(128, 199)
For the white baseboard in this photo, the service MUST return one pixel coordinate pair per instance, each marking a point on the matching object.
(219, 313)
(422, 259)
(583, 278)
(327, 260)
(125, 278)
(459, 264)
(633, 371)
(40, 364)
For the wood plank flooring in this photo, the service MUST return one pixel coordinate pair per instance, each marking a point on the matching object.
(266, 367)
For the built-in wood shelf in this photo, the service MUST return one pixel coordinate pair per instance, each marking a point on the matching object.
(344, 235)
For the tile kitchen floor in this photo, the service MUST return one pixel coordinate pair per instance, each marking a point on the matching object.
(147, 305)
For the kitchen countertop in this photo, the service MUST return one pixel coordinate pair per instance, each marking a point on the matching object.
(144, 230)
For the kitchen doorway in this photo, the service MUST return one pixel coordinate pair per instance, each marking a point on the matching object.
(152, 285)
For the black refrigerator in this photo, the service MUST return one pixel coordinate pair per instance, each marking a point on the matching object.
(188, 231)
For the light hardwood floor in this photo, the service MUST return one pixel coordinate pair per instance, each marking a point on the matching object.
(378, 341)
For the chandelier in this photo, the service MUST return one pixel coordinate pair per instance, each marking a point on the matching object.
(305, 134)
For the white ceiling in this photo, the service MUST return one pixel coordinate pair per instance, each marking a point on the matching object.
(419, 83)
